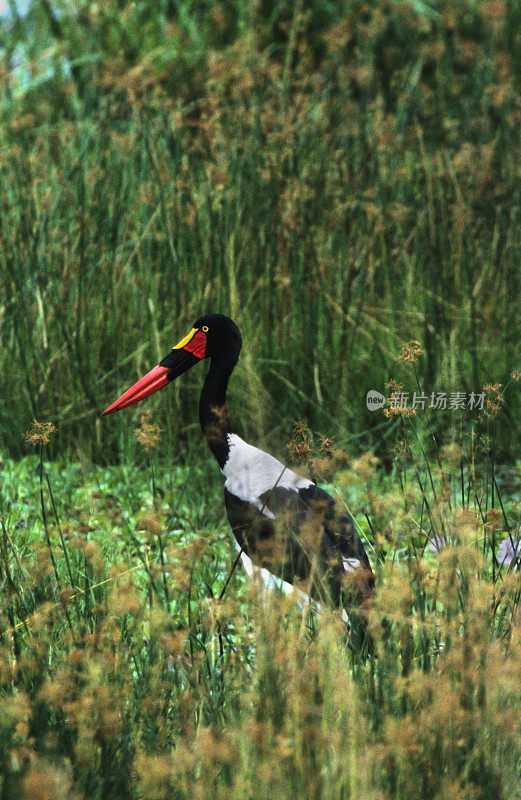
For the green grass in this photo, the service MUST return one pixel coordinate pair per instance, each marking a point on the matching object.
(341, 179)
(138, 679)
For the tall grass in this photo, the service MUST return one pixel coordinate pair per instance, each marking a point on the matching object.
(130, 686)
(339, 179)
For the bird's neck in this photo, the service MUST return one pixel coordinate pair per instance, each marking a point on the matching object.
(213, 413)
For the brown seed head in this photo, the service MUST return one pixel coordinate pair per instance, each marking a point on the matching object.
(148, 433)
(410, 352)
(493, 400)
(300, 444)
(40, 433)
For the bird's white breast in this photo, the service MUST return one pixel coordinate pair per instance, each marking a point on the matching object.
(251, 472)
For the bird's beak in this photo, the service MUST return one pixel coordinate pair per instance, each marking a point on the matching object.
(185, 354)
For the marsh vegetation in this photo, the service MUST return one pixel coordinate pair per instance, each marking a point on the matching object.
(343, 180)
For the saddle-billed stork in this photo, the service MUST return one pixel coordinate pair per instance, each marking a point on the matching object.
(286, 527)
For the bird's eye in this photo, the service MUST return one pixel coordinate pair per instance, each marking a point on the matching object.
(205, 328)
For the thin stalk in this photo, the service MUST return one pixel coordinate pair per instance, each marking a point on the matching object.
(46, 529)
(62, 540)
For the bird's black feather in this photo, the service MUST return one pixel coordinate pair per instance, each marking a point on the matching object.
(305, 541)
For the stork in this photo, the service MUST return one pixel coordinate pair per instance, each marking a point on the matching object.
(286, 527)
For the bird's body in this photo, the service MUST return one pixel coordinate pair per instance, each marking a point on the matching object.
(286, 527)
(251, 474)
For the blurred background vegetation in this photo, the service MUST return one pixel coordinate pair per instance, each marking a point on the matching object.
(339, 177)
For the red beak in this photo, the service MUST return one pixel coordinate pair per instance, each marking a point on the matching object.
(150, 383)
(184, 355)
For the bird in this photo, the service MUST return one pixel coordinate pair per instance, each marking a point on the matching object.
(287, 529)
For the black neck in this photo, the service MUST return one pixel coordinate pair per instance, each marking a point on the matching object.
(213, 413)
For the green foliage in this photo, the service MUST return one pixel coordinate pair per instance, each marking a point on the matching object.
(341, 178)
(338, 177)
(130, 666)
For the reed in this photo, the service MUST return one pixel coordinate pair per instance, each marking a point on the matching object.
(338, 179)
(179, 677)
(342, 179)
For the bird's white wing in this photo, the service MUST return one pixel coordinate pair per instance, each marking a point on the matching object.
(251, 472)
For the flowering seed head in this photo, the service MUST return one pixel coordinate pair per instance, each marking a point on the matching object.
(410, 352)
(300, 444)
(40, 433)
(148, 433)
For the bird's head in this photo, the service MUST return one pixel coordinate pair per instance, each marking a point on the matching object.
(212, 336)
